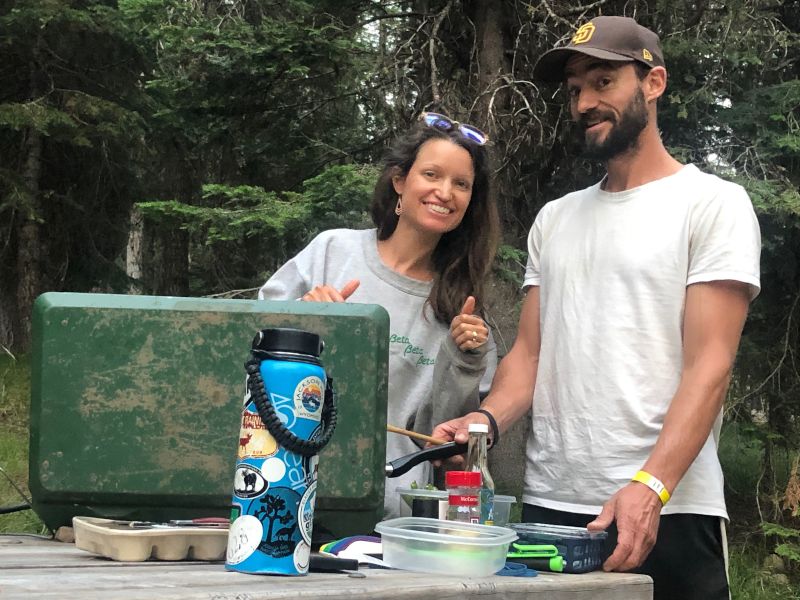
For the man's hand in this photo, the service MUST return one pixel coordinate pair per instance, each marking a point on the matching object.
(468, 330)
(637, 511)
(327, 293)
(457, 430)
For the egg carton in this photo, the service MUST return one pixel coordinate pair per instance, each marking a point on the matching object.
(136, 541)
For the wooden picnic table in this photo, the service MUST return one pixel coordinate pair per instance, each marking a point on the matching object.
(34, 567)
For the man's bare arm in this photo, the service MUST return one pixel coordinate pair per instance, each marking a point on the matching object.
(511, 394)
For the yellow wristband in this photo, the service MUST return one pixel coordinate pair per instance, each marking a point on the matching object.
(654, 483)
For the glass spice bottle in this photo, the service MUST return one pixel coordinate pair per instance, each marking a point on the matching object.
(463, 496)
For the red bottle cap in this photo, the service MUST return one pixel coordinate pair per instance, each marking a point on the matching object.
(463, 479)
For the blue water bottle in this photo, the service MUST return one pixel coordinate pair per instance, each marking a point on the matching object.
(288, 416)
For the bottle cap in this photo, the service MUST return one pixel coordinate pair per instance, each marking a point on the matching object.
(478, 428)
(463, 479)
(287, 340)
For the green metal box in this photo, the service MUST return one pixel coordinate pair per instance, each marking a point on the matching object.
(136, 403)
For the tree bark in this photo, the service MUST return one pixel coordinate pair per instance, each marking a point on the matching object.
(134, 252)
(489, 17)
(28, 229)
(166, 259)
(29, 243)
(492, 43)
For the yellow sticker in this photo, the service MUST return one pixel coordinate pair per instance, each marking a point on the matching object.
(584, 34)
(646, 54)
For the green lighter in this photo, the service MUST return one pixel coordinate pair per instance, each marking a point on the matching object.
(542, 557)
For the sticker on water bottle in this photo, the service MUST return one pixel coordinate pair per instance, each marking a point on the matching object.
(248, 482)
(243, 538)
(301, 558)
(308, 396)
(305, 517)
(254, 439)
(278, 512)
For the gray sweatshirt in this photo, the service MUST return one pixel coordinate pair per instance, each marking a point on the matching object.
(430, 379)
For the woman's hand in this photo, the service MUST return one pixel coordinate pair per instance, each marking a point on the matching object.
(467, 330)
(327, 293)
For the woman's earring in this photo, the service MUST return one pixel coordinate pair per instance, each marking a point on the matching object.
(398, 210)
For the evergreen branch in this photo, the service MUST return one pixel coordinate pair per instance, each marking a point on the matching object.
(786, 350)
(404, 15)
(233, 293)
(585, 8)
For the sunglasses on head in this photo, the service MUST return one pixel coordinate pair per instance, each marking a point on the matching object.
(439, 121)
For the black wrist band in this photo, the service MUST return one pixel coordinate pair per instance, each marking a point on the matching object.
(493, 425)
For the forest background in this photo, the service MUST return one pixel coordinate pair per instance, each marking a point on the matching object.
(190, 147)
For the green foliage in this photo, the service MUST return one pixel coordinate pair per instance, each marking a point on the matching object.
(84, 121)
(748, 581)
(14, 401)
(790, 551)
(70, 137)
(337, 197)
(789, 547)
(774, 198)
(510, 263)
(268, 92)
(770, 110)
(780, 531)
(340, 196)
(45, 119)
(14, 392)
(258, 230)
(230, 214)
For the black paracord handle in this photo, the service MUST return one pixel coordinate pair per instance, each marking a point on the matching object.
(258, 392)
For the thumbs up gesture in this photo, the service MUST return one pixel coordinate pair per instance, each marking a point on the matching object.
(328, 293)
(468, 331)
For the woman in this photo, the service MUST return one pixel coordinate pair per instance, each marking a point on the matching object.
(425, 263)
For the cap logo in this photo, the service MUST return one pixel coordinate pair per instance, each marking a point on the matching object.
(583, 34)
(646, 54)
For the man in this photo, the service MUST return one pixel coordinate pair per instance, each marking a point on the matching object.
(637, 292)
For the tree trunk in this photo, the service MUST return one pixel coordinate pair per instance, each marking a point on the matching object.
(28, 229)
(494, 69)
(169, 258)
(134, 253)
(7, 315)
(489, 18)
(29, 243)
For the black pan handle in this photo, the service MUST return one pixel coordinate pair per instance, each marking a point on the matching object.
(404, 464)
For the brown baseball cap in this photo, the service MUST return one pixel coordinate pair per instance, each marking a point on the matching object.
(606, 38)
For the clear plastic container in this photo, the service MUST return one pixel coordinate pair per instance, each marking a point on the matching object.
(502, 509)
(422, 503)
(433, 504)
(583, 550)
(447, 547)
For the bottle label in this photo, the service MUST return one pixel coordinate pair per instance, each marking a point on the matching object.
(463, 500)
(487, 506)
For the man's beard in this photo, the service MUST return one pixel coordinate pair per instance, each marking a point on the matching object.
(624, 134)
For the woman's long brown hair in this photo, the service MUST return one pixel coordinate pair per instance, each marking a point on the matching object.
(463, 257)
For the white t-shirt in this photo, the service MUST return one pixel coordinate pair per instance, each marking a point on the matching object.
(613, 270)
